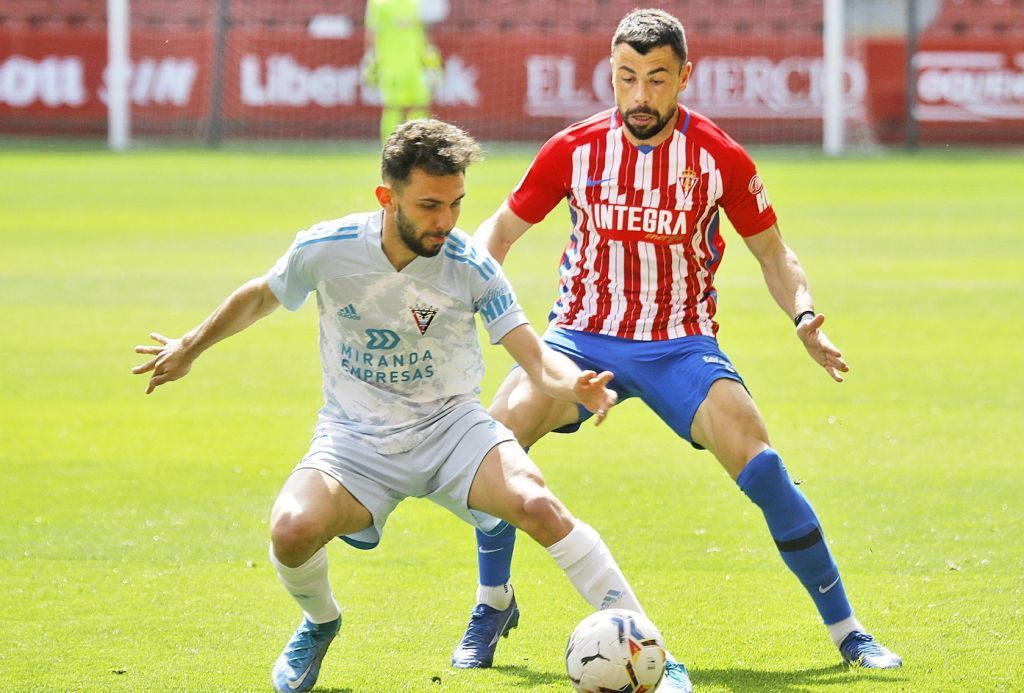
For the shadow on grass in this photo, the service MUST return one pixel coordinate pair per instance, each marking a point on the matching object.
(738, 679)
(528, 678)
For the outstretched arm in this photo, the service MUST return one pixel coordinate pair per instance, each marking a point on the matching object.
(499, 231)
(787, 283)
(172, 358)
(557, 376)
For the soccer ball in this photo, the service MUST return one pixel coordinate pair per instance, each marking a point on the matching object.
(615, 651)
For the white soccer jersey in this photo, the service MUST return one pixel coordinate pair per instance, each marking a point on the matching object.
(398, 348)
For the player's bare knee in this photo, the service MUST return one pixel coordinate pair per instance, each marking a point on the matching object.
(295, 534)
(544, 518)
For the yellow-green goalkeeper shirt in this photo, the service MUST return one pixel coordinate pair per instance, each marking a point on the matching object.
(401, 42)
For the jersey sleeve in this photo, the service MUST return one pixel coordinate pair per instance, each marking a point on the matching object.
(745, 200)
(498, 308)
(491, 293)
(289, 277)
(545, 184)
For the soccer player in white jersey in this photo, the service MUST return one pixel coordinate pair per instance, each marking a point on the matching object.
(397, 291)
(645, 184)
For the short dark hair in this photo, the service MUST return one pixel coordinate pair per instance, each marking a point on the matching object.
(645, 30)
(436, 147)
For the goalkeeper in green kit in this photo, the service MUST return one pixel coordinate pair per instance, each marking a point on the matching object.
(400, 61)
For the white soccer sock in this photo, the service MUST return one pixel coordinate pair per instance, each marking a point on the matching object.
(497, 596)
(592, 570)
(840, 629)
(310, 586)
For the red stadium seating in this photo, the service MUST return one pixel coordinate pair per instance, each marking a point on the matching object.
(983, 18)
(713, 18)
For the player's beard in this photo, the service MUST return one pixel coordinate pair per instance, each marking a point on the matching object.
(412, 237)
(646, 133)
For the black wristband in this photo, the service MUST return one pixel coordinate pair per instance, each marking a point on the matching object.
(797, 320)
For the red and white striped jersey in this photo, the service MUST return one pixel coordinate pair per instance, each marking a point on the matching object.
(645, 243)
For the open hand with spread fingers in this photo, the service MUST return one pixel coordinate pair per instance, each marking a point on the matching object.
(821, 348)
(171, 361)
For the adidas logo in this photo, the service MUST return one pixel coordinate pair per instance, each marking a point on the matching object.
(349, 312)
(610, 597)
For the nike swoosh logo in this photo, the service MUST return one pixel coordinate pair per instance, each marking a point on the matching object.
(497, 634)
(483, 550)
(591, 182)
(823, 590)
(298, 682)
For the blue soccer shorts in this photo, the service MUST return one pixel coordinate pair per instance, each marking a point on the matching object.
(671, 376)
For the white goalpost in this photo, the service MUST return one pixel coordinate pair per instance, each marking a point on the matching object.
(117, 75)
(833, 112)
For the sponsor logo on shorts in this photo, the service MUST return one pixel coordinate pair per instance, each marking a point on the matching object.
(710, 358)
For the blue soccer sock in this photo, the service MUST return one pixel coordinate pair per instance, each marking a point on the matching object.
(797, 533)
(494, 560)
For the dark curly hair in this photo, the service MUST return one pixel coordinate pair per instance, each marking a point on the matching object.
(434, 146)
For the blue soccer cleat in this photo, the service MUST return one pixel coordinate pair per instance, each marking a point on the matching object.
(860, 650)
(676, 678)
(486, 626)
(299, 665)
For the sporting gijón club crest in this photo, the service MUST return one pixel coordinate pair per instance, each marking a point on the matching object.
(423, 315)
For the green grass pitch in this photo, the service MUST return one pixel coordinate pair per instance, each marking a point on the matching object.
(133, 530)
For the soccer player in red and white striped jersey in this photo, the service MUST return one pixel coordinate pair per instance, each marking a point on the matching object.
(646, 183)
(645, 241)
